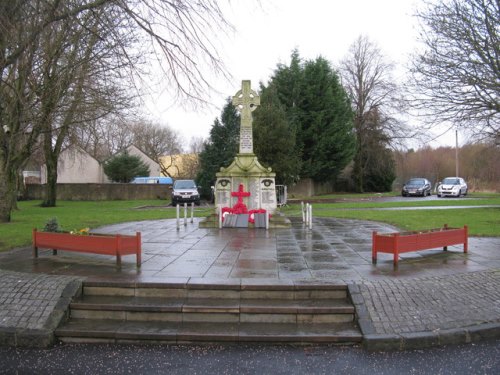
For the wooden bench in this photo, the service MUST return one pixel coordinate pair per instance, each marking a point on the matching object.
(105, 244)
(397, 243)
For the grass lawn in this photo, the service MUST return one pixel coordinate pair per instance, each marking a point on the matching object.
(481, 221)
(77, 215)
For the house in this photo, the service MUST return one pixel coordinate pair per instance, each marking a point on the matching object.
(76, 166)
(180, 165)
(154, 167)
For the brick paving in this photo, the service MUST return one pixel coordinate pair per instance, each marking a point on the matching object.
(433, 303)
(32, 306)
(28, 300)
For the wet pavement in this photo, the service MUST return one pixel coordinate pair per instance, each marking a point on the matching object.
(432, 297)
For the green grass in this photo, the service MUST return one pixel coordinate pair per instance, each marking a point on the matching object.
(481, 221)
(413, 202)
(78, 215)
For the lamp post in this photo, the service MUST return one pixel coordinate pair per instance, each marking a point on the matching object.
(456, 152)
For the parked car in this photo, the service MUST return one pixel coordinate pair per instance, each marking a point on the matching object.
(152, 180)
(452, 187)
(185, 191)
(416, 186)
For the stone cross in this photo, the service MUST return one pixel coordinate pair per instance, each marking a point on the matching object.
(246, 101)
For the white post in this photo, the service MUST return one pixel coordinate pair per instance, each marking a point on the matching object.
(177, 209)
(302, 210)
(307, 214)
(267, 220)
(185, 213)
(192, 212)
(219, 208)
(310, 216)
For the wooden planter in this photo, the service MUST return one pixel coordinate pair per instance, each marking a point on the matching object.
(396, 243)
(105, 244)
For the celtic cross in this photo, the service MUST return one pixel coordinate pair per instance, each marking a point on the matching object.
(246, 101)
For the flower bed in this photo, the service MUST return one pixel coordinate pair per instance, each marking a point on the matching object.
(396, 243)
(105, 244)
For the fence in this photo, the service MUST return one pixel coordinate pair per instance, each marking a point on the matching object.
(281, 195)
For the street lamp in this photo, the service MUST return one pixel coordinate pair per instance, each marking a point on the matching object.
(456, 152)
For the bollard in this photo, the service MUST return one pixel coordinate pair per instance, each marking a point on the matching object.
(185, 214)
(267, 220)
(307, 214)
(310, 216)
(192, 212)
(302, 210)
(219, 209)
(177, 215)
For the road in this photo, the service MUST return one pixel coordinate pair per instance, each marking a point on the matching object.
(471, 359)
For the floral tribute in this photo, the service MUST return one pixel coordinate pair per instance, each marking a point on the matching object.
(240, 208)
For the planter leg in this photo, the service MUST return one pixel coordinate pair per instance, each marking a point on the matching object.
(138, 249)
(54, 251)
(35, 252)
(466, 238)
(396, 249)
(374, 247)
(118, 260)
(445, 248)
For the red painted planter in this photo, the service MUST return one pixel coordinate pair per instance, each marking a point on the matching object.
(106, 244)
(396, 243)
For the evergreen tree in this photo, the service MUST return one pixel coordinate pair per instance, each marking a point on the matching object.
(327, 125)
(274, 138)
(319, 112)
(124, 167)
(374, 167)
(221, 147)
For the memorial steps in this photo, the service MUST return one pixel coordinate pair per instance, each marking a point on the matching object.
(114, 312)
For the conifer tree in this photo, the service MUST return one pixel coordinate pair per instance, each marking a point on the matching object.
(221, 147)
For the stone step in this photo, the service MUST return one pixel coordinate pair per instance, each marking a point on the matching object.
(121, 332)
(241, 311)
(212, 309)
(223, 290)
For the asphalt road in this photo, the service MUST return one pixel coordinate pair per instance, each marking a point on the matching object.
(471, 359)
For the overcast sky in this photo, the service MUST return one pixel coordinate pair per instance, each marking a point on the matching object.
(266, 34)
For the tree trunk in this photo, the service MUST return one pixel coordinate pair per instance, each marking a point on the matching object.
(51, 186)
(7, 194)
(358, 173)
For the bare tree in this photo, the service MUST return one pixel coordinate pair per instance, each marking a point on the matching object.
(196, 145)
(154, 139)
(456, 78)
(77, 83)
(102, 137)
(178, 33)
(367, 77)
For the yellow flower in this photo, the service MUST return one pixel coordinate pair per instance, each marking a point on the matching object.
(81, 232)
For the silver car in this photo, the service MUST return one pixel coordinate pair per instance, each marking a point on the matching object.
(452, 187)
(185, 191)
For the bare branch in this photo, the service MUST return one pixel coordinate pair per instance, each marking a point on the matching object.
(456, 78)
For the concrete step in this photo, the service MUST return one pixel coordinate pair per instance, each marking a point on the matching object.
(121, 332)
(199, 312)
(213, 309)
(224, 289)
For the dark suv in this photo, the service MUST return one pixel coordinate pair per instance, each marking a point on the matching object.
(185, 191)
